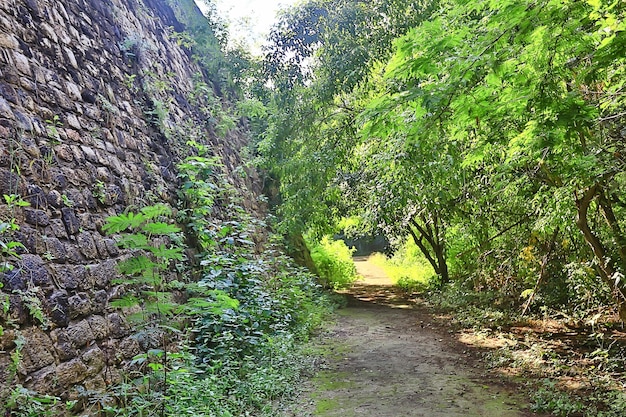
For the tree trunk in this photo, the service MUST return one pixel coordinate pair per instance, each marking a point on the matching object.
(435, 252)
(605, 263)
(611, 220)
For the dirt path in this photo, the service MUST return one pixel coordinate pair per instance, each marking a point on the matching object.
(385, 360)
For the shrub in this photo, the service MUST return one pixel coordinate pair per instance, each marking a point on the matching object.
(407, 268)
(333, 260)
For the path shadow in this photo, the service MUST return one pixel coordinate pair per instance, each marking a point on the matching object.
(369, 295)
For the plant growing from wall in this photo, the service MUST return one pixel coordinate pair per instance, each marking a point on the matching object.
(150, 237)
(246, 309)
(9, 248)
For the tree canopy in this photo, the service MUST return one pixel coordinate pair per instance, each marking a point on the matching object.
(491, 132)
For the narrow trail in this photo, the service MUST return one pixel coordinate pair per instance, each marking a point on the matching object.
(384, 359)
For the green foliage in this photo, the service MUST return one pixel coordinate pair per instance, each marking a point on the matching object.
(9, 248)
(549, 399)
(407, 267)
(333, 260)
(485, 129)
(245, 311)
(26, 403)
(320, 54)
(144, 232)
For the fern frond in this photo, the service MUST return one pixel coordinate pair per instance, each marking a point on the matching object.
(133, 241)
(121, 222)
(135, 265)
(160, 228)
(154, 211)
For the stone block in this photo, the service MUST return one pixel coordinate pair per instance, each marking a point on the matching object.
(99, 144)
(71, 372)
(96, 383)
(7, 340)
(100, 300)
(115, 195)
(103, 273)
(27, 236)
(36, 217)
(30, 147)
(100, 246)
(73, 91)
(110, 148)
(55, 249)
(5, 109)
(34, 270)
(79, 305)
(74, 256)
(48, 31)
(90, 154)
(90, 203)
(36, 352)
(9, 182)
(64, 153)
(87, 245)
(74, 177)
(70, 277)
(13, 280)
(37, 197)
(58, 308)
(74, 136)
(128, 348)
(28, 85)
(8, 41)
(8, 92)
(93, 112)
(18, 313)
(80, 333)
(71, 222)
(116, 166)
(71, 58)
(21, 63)
(23, 122)
(103, 174)
(72, 120)
(99, 326)
(117, 325)
(63, 345)
(44, 380)
(79, 156)
(112, 247)
(95, 360)
(58, 228)
(63, 101)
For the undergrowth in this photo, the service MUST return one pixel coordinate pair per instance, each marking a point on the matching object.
(220, 311)
(408, 268)
(333, 260)
(248, 311)
(571, 367)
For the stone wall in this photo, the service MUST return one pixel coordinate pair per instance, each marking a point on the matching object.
(95, 110)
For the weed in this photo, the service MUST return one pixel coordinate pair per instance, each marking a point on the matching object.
(99, 192)
(549, 399)
(52, 127)
(67, 202)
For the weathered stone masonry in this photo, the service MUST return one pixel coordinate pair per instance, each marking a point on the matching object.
(94, 110)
